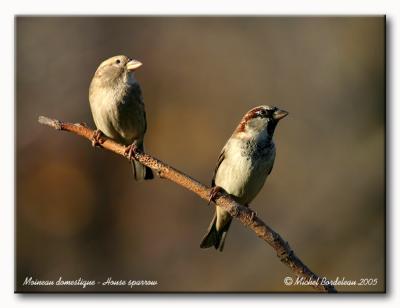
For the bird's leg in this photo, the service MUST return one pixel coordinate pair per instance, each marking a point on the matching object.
(214, 192)
(253, 213)
(131, 150)
(96, 138)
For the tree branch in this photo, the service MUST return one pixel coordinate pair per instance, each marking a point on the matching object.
(246, 216)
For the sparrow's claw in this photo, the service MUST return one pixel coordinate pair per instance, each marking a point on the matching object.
(131, 150)
(214, 192)
(253, 215)
(96, 138)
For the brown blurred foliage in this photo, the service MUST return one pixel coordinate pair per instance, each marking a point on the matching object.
(81, 214)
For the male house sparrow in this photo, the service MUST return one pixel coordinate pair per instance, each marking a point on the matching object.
(243, 166)
(117, 107)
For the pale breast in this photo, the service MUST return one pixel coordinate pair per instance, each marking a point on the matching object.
(119, 113)
(242, 173)
(103, 111)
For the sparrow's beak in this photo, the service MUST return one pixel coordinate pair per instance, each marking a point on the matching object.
(280, 114)
(133, 65)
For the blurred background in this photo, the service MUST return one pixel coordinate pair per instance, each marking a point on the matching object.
(81, 214)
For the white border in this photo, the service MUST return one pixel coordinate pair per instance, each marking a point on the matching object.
(186, 7)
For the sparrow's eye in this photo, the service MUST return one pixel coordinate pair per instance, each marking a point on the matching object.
(118, 61)
(270, 112)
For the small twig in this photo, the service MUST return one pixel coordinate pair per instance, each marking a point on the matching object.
(245, 215)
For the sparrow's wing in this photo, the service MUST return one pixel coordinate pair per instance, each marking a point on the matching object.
(139, 98)
(219, 162)
(271, 165)
(145, 121)
(270, 169)
(131, 116)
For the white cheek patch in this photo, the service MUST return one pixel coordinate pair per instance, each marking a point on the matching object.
(131, 78)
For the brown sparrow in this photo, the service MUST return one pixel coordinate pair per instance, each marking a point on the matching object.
(117, 107)
(243, 166)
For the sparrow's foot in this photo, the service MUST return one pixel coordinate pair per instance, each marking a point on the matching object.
(253, 215)
(96, 138)
(214, 193)
(131, 150)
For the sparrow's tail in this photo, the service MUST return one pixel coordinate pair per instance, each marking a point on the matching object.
(141, 172)
(215, 237)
